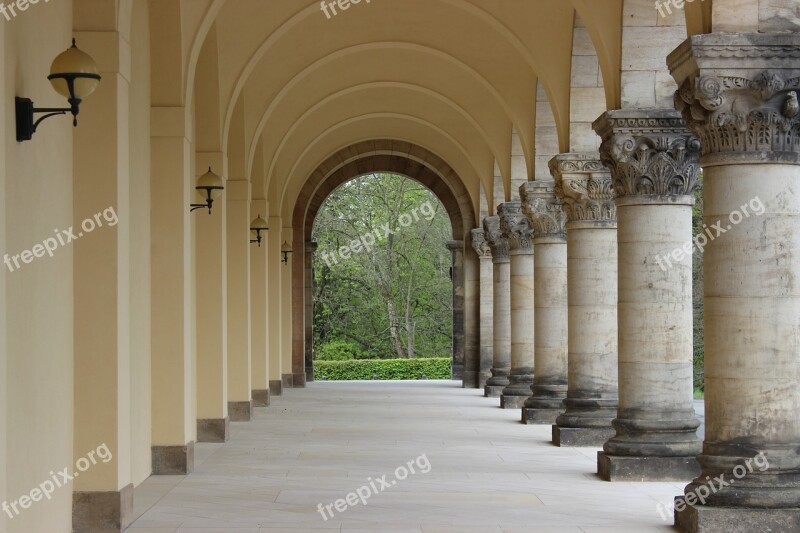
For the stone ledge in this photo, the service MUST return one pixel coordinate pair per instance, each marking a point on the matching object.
(630, 468)
(240, 411)
(540, 416)
(261, 398)
(705, 519)
(493, 391)
(581, 437)
(512, 402)
(172, 460)
(213, 429)
(102, 512)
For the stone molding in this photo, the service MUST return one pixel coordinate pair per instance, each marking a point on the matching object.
(649, 152)
(480, 245)
(544, 209)
(739, 94)
(497, 241)
(584, 185)
(516, 227)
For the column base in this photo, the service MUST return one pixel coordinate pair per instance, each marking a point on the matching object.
(706, 519)
(287, 380)
(493, 391)
(298, 381)
(631, 468)
(172, 460)
(213, 429)
(483, 379)
(276, 387)
(540, 416)
(102, 512)
(512, 402)
(261, 398)
(581, 437)
(470, 379)
(240, 411)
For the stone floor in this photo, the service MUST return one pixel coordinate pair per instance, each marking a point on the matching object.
(488, 472)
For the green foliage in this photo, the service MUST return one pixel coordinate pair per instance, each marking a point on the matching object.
(395, 299)
(339, 350)
(697, 291)
(385, 369)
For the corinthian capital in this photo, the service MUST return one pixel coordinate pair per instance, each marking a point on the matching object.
(739, 94)
(498, 242)
(544, 209)
(479, 244)
(516, 226)
(649, 152)
(584, 185)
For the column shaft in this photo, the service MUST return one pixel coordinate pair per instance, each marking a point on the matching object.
(656, 426)
(551, 348)
(486, 306)
(743, 105)
(584, 185)
(501, 308)
(519, 231)
(275, 271)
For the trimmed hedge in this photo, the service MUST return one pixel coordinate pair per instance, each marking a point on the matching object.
(384, 369)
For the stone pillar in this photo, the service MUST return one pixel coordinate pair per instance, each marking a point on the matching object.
(471, 325)
(101, 277)
(551, 349)
(457, 276)
(501, 308)
(519, 231)
(213, 423)
(308, 301)
(739, 94)
(172, 284)
(240, 401)
(654, 162)
(486, 357)
(275, 271)
(584, 185)
(259, 355)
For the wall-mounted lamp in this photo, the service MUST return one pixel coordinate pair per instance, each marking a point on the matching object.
(210, 187)
(73, 75)
(258, 226)
(286, 249)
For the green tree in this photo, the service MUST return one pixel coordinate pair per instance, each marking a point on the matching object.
(382, 270)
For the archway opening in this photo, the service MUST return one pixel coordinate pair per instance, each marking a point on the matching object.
(383, 285)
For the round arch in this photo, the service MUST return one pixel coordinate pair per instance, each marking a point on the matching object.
(398, 157)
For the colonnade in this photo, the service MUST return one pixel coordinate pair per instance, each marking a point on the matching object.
(611, 321)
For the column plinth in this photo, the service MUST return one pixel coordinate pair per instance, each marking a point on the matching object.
(584, 185)
(545, 211)
(739, 94)
(519, 231)
(501, 307)
(654, 162)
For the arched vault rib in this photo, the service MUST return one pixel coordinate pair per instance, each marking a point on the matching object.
(335, 102)
(343, 55)
(381, 125)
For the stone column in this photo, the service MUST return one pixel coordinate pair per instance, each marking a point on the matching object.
(470, 324)
(739, 94)
(240, 396)
(519, 231)
(275, 271)
(308, 315)
(546, 213)
(584, 185)
(486, 311)
(259, 355)
(457, 276)
(501, 308)
(654, 162)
